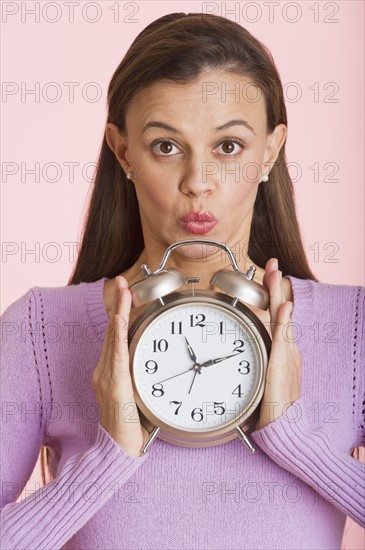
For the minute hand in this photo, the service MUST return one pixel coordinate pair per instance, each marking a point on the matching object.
(218, 360)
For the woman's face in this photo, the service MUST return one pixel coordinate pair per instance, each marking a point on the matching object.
(200, 146)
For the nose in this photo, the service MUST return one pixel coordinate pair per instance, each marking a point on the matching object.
(197, 178)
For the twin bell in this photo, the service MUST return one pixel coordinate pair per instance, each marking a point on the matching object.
(157, 284)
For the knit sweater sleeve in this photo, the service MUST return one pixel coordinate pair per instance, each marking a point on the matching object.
(52, 514)
(309, 455)
(307, 451)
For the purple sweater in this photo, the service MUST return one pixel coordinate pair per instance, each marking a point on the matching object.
(293, 492)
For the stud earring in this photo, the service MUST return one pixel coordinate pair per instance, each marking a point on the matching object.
(129, 175)
(265, 178)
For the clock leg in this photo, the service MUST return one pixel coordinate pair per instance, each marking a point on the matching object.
(150, 438)
(245, 439)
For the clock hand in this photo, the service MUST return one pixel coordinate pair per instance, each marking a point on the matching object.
(191, 368)
(196, 364)
(206, 364)
(193, 357)
(195, 373)
(218, 360)
(191, 352)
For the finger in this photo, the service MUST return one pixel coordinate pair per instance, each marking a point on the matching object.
(101, 363)
(119, 362)
(120, 375)
(124, 310)
(283, 319)
(114, 334)
(270, 266)
(276, 297)
(278, 349)
(120, 357)
(120, 281)
(289, 328)
(121, 352)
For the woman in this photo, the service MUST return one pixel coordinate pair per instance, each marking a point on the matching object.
(183, 157)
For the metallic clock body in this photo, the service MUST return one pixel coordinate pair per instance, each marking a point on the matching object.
(258, 337)
(161, 288)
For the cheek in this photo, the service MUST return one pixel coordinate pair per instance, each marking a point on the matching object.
(153, 196)
(150, 184)
(251, 165)
(243, 175)
(241, 192)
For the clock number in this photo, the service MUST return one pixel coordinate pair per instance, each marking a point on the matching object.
(239, 348)
(199, 323)
(245, 367)
(238, 392)
(161, 345)
(159, 391)
(151, 370)
(173, 327)
(197, 412)
(176, 403)
(219, 405)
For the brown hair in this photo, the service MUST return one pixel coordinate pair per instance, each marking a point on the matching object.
(177, 47)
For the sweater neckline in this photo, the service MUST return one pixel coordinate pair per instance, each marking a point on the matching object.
(93, 295)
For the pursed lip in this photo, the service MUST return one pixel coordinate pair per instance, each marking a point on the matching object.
(203, 216)
(198, 223)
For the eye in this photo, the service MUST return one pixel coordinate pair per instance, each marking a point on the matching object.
(167, 147)
(229, 146)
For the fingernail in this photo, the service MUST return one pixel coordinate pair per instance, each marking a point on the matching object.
(275, 262)
(290, 307)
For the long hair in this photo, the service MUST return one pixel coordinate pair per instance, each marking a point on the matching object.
(178, 47)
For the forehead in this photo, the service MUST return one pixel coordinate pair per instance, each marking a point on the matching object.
(208, 100)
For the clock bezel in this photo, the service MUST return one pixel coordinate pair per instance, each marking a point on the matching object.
(213, 435)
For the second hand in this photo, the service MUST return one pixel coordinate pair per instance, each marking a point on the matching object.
(180, 373)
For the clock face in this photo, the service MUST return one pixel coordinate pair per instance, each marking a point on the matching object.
(197, 366)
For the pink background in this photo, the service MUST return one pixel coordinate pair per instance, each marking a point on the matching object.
(318, 58)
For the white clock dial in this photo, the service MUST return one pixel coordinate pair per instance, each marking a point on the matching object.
(223, 381)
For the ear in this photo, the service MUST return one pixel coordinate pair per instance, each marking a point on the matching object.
(275, 141)
(118, 143)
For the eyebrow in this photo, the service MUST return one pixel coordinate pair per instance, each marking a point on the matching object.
(234, 122)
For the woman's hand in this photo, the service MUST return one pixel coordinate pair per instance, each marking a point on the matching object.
(283, 376)
(111, 378)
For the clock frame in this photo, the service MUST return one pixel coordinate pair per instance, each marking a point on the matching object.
(259, 338)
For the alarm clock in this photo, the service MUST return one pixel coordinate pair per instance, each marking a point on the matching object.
(198, 358)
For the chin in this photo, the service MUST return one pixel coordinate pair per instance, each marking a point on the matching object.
(193, 251)
(196, 251)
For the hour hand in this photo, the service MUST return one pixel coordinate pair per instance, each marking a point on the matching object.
(191, 352)
(218, 360)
